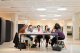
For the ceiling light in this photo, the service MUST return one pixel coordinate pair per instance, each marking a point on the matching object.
(51, 14)
(52, 11)
(57, 15)
(23, 18)
(42, 15)
(62, 9)
(43, 19)
(54, 7)
(41, 9)
(55, 19)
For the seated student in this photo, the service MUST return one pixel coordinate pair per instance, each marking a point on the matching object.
(60, 34)
(39, 36)
(47, 37)
(22, 30)
(30, 30)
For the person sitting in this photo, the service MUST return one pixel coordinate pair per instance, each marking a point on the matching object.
(61, 35)
(47, 37)
(22, 30)
(30, 30)
(39, 36)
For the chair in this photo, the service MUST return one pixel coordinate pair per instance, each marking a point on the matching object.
(59, 41)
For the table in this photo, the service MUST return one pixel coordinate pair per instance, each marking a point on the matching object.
(53, 34)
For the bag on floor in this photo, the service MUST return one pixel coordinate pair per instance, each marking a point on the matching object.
(33, 46)
(23, 46)
(61, 43)
(55, 48)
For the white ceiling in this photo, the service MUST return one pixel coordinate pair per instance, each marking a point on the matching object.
(28, 8)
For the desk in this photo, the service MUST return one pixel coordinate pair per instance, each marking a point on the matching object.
(53, 34)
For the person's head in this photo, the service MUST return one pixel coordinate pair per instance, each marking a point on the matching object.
(30, 27)
(46, 27)
(38, 26)
(57, 26)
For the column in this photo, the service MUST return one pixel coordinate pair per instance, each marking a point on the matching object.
(14, 19)
(65, 27)
(26, 22)
(75, 19)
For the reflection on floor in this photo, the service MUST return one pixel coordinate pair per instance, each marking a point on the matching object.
(73, 46)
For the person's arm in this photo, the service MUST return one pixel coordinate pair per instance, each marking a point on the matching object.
(49, 31)
(32, 30)
(20, 31)
(52, 30)
(44, 31)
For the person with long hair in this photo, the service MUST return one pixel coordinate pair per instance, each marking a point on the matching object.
(47, 37)
(39, 36)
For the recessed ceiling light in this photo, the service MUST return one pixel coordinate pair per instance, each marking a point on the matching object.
(51, 14)
(55, 19)
(41, 9)
(62, 9)
(43, 19)
(57, 15)
(42, 15)
(23, 18)
(52, 11)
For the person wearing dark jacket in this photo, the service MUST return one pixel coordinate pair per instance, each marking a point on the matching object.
(16, 40)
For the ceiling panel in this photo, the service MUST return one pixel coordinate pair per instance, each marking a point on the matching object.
(24, 4)
(28, 8)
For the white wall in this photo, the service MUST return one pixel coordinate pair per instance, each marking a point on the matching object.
(69, 23)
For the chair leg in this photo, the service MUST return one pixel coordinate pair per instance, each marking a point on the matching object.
(64, 45)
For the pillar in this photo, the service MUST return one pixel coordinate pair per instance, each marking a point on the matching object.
(75, 19)
(14, 19)
(65, 28)
(26, 22)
